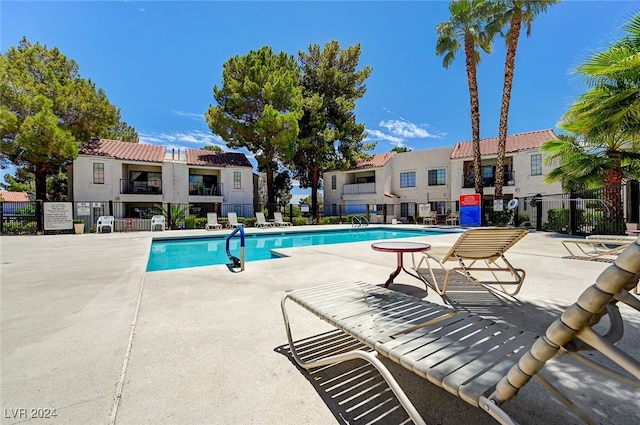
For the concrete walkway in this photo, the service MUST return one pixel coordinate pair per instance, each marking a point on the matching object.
(88, 334)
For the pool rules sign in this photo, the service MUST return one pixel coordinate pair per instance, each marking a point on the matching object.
(470, 212)
(58, 215)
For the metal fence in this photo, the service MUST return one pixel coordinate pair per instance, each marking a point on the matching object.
(598, 211)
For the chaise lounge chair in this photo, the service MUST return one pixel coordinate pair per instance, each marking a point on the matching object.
(454, 218)
(600, 247)
(233, 220)
(105, 221)
(483, 244)
(430, 218)
(158, 221)
(212, 222)
(279, 221)
(261, 221)
(484, 362)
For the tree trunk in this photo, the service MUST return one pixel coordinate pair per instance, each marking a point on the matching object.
(474, 100)
(613, 193)
(41, 181)
(271, 191)
(510, 63)
(314, 193)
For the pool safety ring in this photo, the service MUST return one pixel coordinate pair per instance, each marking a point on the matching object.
(513, 204)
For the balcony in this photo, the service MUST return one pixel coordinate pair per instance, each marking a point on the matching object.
(205, 190)
(144, 187)
(359, 188)
(489, 181)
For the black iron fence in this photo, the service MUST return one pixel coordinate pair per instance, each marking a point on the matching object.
(597, 211)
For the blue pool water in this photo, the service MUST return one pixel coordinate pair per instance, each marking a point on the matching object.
(169, 254)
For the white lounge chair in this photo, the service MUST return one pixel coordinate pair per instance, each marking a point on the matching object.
(430, 218)
(105, 221)
(279, 221)
(482, 244)
(597, 248)
(483, 362)
(158, 221)
(233, 220)
(212, 222)
(454, 218)
(262, 221)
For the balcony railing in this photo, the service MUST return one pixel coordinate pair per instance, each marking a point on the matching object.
(153, 187)
(489, 181)
(355, 189)
(204, 190)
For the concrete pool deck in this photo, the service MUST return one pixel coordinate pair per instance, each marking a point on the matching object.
(87, 332)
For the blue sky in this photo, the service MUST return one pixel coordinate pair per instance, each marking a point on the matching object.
(158, 61)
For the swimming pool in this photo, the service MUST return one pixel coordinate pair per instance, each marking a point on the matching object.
(177, 253)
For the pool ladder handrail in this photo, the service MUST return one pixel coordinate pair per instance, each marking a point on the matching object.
(361, 221)
(236, 262)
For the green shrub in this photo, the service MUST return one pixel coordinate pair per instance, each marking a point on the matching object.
(299, 221)
(558, 219)
(190, 222)
(523, 216)
(17, 228)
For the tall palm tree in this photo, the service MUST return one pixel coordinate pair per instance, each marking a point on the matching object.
(607, 116)
(468, 29)
(515, 14)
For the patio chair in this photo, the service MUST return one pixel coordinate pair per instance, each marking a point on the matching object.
(482, 361)
(632, 229)
(454, 218)
(158, 221)
(482, 244)
(105, 221)
(261, 221)
(430, 218)
(212, 222)
(233, 220)
(279, 221)
(602, 247)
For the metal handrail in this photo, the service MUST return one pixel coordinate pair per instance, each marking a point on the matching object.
(236, 262)
(360, 220)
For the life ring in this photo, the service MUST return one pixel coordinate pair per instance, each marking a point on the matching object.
(513, 204)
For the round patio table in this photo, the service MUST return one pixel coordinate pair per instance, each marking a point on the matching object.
(399, 247)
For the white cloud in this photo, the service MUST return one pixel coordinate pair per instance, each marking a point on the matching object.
(377, 134)
(196, 137)
(193, 115)
(407, 129)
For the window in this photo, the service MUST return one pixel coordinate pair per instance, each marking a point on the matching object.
(536, 164)
(334, 182)
(407, 209)
(98, 173)
(408, 179)
(437, 177)
(237, 180)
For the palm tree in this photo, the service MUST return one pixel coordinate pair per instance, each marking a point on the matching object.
(515, 14)
(606, 119)
(468, 28)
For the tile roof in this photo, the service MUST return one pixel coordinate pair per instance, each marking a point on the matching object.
(216, 159)
(515, 142)
(377, 160)
(14, 196)
(123, 150)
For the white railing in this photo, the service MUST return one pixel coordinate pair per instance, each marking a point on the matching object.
(354, 189)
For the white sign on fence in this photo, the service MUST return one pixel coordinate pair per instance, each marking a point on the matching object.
(424, 210)
(83, 208)
(58, 215)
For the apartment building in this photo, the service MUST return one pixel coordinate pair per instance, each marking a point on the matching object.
(393, 185)
(137, 175)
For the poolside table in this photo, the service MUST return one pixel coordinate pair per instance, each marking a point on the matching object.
(400, 247)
